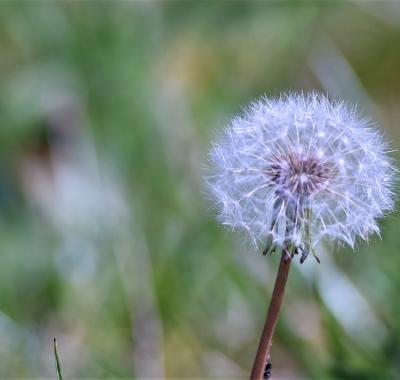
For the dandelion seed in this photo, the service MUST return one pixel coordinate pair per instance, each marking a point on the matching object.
(297, 169)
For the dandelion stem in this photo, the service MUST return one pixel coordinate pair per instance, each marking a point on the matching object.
(264, 347)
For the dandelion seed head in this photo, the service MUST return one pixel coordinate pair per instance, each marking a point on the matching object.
(300, 168)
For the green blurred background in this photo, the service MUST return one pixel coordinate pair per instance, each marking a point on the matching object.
(107, 241)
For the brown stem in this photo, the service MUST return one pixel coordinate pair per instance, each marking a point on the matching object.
(262, 355)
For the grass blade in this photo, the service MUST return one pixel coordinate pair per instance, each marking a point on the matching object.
(58, 366)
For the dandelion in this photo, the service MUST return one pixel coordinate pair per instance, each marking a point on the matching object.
(297, 170)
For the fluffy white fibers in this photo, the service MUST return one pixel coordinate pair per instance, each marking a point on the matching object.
(293, 170)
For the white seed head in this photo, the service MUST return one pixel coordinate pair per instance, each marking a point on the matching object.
(297, 169)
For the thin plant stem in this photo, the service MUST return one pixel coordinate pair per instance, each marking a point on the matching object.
(58, 366)
(264, 347)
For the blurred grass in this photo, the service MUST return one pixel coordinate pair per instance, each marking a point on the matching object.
(106, 237)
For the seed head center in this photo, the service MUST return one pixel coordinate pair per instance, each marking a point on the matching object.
(300, 176)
